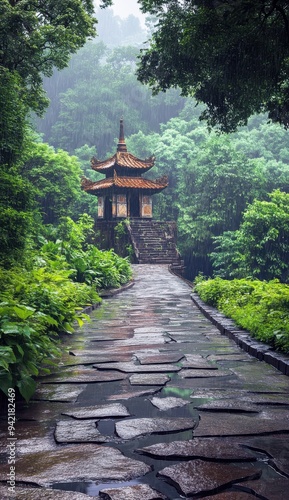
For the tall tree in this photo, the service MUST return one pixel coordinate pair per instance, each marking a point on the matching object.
(35, 37)
(232, 55)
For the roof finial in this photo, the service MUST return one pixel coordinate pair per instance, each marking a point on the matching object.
(121, 147)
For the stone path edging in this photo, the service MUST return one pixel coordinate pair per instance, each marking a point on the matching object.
(114, 291)
(243, 339)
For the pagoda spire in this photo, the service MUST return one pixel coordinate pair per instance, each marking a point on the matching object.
(121, 147)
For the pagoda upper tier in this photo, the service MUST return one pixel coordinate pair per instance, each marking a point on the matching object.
(122, 162)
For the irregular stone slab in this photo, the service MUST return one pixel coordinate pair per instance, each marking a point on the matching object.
(198, 362)
(136, 492)
(78, 432)
(31, 436)
(266, 399)
(281, 464)
(133, 368)
(42, 494)
(159, 357)
(99, 411)
(237, 425)
(196, 476)
(231, 495)
(216, 393)
(140, 339)
(132, 394)
(149, 379)
(131, 428)
(74, 463)
(274, 489)
(228, 405)
(168, 403)
(209, 448)
(149, 329)
(84, 376)
(230, 357)
(197, 373)
(98, 356)
(58, 393)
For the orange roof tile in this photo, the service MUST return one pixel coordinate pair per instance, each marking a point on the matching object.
(122, 159)
(124, 182)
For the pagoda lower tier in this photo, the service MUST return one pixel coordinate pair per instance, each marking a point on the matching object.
(121, 197)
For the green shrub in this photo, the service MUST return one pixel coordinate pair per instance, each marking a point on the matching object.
(260, 307)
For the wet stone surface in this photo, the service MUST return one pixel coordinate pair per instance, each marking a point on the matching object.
(100, 411)
(151, 401)
(78, 463)
(196, 476)
(78, 432)
(128, 429)
(213, 449)
(41, 494)
(168, 403)
(137, 492)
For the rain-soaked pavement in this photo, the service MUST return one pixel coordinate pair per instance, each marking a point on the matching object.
(152, 402)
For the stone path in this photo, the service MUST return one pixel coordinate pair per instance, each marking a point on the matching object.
(152, 402)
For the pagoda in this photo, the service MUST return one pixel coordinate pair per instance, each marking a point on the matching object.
(124, 192)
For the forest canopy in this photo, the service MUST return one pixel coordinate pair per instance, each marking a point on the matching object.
(231, 55)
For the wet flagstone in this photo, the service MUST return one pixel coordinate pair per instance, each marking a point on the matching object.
(216, 424)
(82, 462)
(99, 411)
(271, 489)
(158, 357)
(84, 376)
(168, 403)
(136, 492)
(78, 432)
(134, 368)
(41, 494)
(58, 393)
(209, 448)
(231, 495)
(198, 373)
(131, 428)
(149, 379)
(197, 476)
(132, 394)
(228, 405)
(198, 362)
(230, 357)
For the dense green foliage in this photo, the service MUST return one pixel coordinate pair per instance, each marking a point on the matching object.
(90, 96)
(231, 55)
(260, 307)
(43, 299)
(213, 179)
(35, 37)
(260, 248)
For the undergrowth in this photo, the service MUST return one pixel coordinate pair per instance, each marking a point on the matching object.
(261, 307)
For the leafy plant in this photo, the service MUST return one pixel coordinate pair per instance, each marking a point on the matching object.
(260, 307)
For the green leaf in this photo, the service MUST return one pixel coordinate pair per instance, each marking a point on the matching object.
(27, 387)
(23, 312)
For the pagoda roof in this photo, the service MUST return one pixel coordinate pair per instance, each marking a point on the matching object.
(122, 158)
(99, 187)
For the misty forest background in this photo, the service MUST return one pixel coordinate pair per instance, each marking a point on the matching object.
(228, 193)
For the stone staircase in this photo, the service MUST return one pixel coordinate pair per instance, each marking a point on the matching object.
(154, 242)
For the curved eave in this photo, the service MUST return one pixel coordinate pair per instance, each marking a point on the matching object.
(123, 183)
(122, 160)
